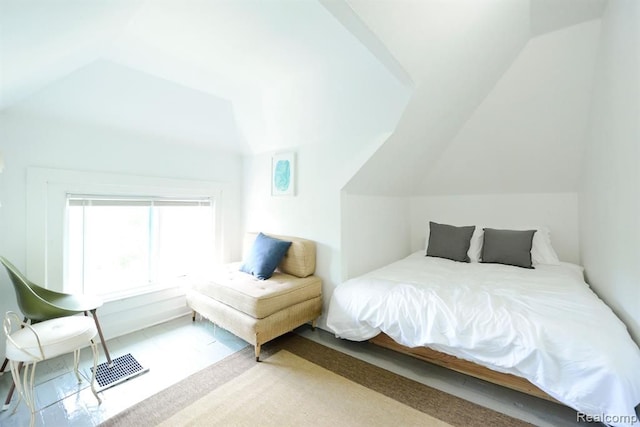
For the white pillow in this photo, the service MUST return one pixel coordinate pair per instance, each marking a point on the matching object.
(475, 248)
(542, 251)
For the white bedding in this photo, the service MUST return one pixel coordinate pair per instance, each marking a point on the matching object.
(544, 324)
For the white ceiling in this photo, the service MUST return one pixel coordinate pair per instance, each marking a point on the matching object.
(253, 75)
(552, 15)
(43, 41)
(245, 75)
(107, 94)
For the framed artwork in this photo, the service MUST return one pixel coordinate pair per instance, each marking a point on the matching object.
(283, 173)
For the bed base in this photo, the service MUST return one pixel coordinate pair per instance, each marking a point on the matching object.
(463, 366)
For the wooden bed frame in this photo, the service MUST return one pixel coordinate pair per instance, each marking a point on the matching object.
(463, 366)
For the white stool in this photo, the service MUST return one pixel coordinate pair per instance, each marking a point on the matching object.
(29, 344)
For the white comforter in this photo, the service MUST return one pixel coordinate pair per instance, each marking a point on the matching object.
(545, 325)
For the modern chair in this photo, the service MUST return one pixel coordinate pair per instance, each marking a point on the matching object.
(28, 344)
(39, 304)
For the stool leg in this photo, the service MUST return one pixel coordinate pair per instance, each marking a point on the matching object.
(104, 343)
(24, 385)
(76, 362)
(94, 349)
(7, 401)
(30, 399)
(10, 394)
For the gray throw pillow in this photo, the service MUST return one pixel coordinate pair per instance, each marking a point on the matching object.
(448, 241)
(510, 247)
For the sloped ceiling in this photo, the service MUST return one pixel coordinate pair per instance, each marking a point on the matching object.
(552, 15)
(104, 93)
(440, 77)
(43, 41)
(457, 53)
(241, 75)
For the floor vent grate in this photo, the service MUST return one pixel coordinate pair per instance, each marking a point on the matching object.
(122, 369)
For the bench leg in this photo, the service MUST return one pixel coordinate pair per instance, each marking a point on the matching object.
(257, 348)
(314, 323)
(193, 316)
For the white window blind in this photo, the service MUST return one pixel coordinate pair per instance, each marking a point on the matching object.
(92, 200)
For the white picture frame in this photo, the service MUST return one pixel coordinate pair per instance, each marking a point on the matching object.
(283, 174)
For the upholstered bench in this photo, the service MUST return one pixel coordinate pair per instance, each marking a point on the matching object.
(260, 310)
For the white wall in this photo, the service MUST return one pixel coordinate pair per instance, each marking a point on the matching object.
(610, 194)
(314, 213)
(322, 169)
(36, 141)
(530, 128)
(375, 231)
(333, 120)
(455, 52)
(559, 212)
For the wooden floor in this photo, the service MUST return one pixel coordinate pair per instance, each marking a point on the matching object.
(469, 368)
(179, 348)
(537, 411)
(172, 351)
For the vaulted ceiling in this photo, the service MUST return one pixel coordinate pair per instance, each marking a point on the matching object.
(252, 76)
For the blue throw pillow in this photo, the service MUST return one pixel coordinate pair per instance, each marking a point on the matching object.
(266, 253)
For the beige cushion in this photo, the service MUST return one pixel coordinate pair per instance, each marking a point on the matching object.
(258, 298)
(300, 259)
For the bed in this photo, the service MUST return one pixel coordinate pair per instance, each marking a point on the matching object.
(543, 324)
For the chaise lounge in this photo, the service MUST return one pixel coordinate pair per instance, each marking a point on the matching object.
(260, 310)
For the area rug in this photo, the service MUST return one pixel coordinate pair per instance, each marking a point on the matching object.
(288, 388)
(303, 383)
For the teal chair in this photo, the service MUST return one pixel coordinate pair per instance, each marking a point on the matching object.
(38, 304)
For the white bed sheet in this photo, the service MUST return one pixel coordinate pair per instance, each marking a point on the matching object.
(544, 324)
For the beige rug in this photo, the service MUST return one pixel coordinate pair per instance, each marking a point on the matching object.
(287, 390)
(303, 383)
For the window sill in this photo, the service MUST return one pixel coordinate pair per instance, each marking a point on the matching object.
(179, 283)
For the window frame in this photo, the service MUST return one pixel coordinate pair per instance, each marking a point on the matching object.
(47, 191)
(154, 283)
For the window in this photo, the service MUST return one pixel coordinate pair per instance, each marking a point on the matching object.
(118, 246)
